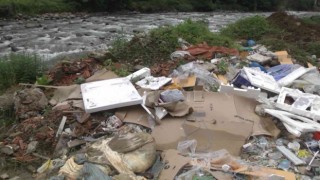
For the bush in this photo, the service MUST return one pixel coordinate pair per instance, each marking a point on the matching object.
(314, 48)
(248, 28)
(38, 6)
(19, 68)
(161, 42)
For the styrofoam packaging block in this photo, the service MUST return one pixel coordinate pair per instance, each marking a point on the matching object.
(295, 124)
(138, 75)
(109, 94)
(251, 92)
(301, 104)
(262, 80)
(153, 83)
(287, 80)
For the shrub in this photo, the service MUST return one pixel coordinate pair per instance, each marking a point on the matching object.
(19, 68)
(159, 43)
(248, 28)
(39, 6)
(314, 48)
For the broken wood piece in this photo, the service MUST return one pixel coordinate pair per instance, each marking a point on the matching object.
(61, 126)
(75, 143)
(37, 85)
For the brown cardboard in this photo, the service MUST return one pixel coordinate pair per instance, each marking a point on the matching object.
(222, 78)
(102, 74)
(175, 163)
(283, 57)
(219, 121)
(265, 172)
(190, 81)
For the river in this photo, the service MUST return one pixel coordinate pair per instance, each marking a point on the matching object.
(63, 36)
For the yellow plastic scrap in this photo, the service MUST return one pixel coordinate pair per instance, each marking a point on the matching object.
(303, 153)
(47, 165)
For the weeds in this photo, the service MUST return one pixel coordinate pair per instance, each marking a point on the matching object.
(161, 42)
(38, 6)
(248, 28)
(19, 68)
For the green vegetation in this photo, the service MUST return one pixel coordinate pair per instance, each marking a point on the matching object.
(19, 68)
(12, 7)
(248, 28)
(37, 6)
(313, 20)
(159, 43)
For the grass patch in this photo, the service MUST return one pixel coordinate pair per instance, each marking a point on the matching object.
(19, 68)
(314, 48)
(158, 44)
(38, 6)
(248, 28)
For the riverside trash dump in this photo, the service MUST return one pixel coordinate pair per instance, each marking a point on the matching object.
(184, 121)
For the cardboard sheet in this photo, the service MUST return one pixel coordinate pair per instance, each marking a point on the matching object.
(222, 78)
(102, 74)
(189, 82)
(283, 57)
(219, 121)
(175, 163)
(64, 93)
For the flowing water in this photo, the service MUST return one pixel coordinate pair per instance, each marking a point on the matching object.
(61, 36)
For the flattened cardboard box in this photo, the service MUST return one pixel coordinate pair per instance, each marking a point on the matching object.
(219, 121)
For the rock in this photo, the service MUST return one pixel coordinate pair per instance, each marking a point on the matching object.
(32, 25)
(4, 176)
(8, 150)
(8, 38)
(62, 106)
(138, 67)
(31, 169)
(29, 102)
(15, 178)
(32, 146)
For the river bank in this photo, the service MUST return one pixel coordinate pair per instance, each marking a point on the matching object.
(63, 36)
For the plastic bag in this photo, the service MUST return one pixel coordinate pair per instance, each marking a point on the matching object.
(172, 95)
(188, 146)
(200, 72)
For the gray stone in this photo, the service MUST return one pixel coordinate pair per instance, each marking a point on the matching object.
(4, 176)
(8, 150)
(32, 146)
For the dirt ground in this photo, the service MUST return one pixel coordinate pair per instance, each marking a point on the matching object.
(297, 31)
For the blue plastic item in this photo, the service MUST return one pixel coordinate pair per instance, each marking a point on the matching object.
(240, 80)
(251, 43)
(280, 71)
(255, 64)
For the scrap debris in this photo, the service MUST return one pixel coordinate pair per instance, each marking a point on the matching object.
(222, 114)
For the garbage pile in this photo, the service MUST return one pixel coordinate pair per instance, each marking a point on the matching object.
(224, 114)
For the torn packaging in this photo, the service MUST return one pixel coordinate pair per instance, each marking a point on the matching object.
(219, 121)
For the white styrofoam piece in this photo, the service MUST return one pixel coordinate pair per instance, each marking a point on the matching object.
(292, 157)
(301, 104)
(153, 83)
(109, 94)
(251, 92)
(262, 80)
(295, 124)
(138, 75)
(259, 58)
(287, 80)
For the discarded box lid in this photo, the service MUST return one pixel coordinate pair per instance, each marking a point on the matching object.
(109, 94)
